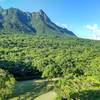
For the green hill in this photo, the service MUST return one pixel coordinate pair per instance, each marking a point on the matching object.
(15, 20)
(53, 58)
(75, 60)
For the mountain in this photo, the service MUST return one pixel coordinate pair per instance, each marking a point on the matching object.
(13, 19)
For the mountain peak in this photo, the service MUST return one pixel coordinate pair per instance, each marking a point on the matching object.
(13, 19)
(41, 11)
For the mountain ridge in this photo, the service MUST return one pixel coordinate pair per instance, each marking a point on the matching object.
(14, 19)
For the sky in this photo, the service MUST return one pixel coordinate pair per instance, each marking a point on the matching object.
(80, 16)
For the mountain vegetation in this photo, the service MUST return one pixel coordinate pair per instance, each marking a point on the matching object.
(15, 20)
(33, 47)
(36, 56)
(7, 82)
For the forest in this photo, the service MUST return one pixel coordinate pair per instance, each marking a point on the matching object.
(75, 61)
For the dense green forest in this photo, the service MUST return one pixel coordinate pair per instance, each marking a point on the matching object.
(75, 61)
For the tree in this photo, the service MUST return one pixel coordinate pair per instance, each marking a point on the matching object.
(48, 71)
(6, 84)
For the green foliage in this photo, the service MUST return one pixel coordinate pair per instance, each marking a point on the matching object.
(81, 88)
(36, 56)
(28, 56)
(6, 84)
(15, 20)
(30, 89)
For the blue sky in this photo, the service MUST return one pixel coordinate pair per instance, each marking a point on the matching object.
(80, 16)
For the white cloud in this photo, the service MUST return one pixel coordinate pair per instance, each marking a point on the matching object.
(64, 25)
(61, 25)
(95, 31)
(93, 28)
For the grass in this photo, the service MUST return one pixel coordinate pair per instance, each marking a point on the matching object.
(51, 95)
(28, 90)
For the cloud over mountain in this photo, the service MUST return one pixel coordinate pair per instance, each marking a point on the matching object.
(95, 29)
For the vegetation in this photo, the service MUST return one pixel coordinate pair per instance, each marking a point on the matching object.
(6, 84)
(14, 20)
(79, 88)
(75, 61)
(30, 89)
(33, 47)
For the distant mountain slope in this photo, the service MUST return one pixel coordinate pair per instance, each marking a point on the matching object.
(13, 19)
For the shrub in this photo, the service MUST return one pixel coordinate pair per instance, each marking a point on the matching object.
(6, 84)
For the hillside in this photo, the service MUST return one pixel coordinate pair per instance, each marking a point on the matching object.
(75, 60)
(52, 62)
(15, 20)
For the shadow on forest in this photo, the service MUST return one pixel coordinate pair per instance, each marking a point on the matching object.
(20, 70)
(86, 95)
(30, 89)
